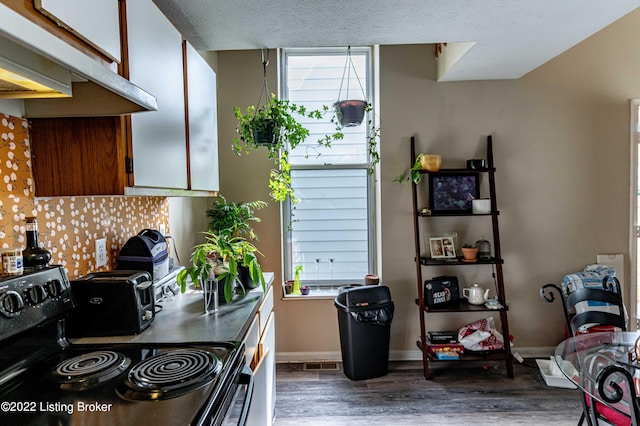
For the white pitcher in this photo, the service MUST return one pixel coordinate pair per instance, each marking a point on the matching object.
(476, 295)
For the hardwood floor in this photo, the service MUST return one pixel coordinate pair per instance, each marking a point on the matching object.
(459, 393)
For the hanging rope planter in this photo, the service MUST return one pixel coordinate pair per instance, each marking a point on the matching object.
(264, 129)
(350, 112)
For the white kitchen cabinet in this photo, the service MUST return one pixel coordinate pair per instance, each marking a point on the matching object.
(259, 403)
(148, 153)
(268, 353)
(155, 65)
(263, 363)
(96, 22)
(251, 342)
(202, 116)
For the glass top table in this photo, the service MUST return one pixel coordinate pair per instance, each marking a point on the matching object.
(604, 366)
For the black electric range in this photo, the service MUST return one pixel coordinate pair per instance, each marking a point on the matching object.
(45, 380)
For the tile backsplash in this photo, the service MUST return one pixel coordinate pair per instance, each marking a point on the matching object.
(68, 226)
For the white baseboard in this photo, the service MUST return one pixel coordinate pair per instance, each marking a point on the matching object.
(394, 355)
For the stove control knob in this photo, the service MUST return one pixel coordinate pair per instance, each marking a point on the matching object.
(54, 288)
(35, 294)
(11, 304)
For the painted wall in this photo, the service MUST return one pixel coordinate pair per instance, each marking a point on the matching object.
(561, 140)
(68, 226)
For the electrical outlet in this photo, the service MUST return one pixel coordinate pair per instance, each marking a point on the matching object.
(162, 229)
(101, 252)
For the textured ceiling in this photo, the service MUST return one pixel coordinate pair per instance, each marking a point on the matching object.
(512, 37)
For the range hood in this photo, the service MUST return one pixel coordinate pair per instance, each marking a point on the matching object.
(57, 80)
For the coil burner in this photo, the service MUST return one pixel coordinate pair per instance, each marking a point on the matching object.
(88, 370)
(170, 374)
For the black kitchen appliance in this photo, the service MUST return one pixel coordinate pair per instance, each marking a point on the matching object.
(112, 303)
(45, 379)
(146, 251)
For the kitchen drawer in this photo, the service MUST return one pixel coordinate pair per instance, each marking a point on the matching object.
(251, 342)
(268, 337)
(260, 410)
(265, 309)
(268, 357)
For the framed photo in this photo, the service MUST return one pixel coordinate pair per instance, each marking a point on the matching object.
(442, 247)
(453, 192)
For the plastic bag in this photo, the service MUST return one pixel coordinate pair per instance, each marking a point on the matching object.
(376, 316)
(481, 336)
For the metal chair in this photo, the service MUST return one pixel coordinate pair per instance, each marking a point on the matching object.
(578, 313)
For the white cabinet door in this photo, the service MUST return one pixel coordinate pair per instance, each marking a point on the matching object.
(95, 21)
(251, 342)
(264, 312)
(268, 345)
(202, 122)
(155, 64)
(258, 412)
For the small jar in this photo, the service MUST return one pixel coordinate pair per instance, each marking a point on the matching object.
(12, 261)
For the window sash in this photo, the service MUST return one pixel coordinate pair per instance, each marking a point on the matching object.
(308, 225)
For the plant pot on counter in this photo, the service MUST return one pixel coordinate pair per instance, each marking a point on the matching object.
(245, 278)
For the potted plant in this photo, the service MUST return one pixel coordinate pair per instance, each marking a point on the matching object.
(288, 134)
(373, 132)
(234, 218)
(423, 162)
(220, 256)
(249, 271)
(413, 174)
(469, 252)
(350, 113)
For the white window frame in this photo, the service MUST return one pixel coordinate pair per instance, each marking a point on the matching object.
(373, 189)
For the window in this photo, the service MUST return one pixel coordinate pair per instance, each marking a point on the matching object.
(330, 232)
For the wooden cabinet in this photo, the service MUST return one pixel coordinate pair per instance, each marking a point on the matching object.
(78, 156)
(149, 153)
(424, 225)
(263, 363)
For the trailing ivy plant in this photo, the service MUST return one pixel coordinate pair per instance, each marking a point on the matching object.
(413, 175)
(287, 133)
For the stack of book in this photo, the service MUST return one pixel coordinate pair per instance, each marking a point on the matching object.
(444, 345)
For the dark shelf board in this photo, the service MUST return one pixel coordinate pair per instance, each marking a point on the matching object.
(460, 306)
(450, 214)
(427, 261)
(498, 355)
(461, 170)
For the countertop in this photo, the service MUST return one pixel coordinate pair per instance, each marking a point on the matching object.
(183, 320)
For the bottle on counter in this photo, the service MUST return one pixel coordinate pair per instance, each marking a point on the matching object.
(34, 256)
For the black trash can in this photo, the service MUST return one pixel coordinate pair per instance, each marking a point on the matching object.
(364, 319)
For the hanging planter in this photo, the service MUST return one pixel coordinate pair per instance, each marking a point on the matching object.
(275, 125)
(350, 113)
(264, 131)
